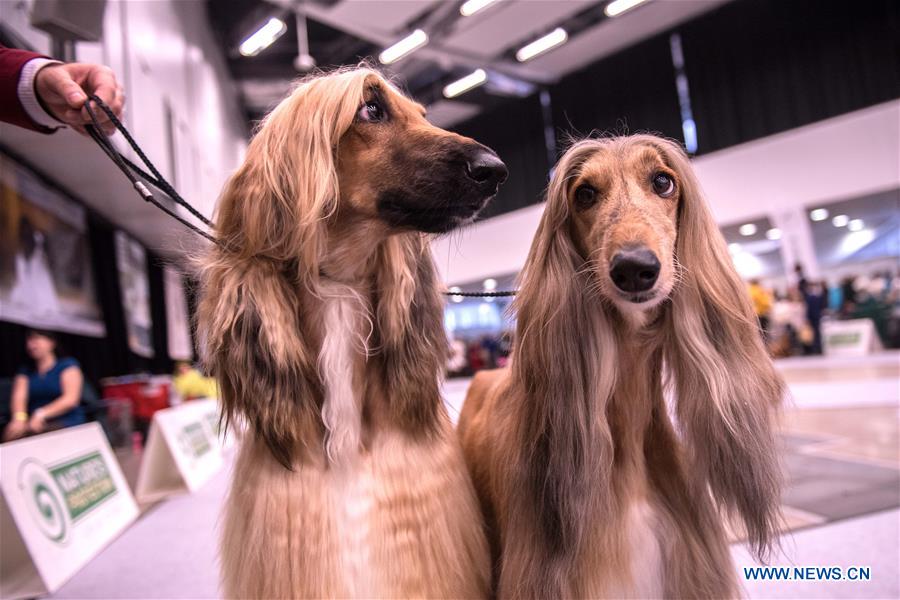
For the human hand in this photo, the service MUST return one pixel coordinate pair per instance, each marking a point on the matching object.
(37, 423)
(16, 429)
(63, 90)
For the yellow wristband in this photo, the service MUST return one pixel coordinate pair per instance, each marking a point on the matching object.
(20, 416)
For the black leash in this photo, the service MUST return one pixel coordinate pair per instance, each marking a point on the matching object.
(159, 182)
(129, 168)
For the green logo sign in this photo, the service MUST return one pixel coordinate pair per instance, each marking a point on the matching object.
(193, 440)
(61, 494)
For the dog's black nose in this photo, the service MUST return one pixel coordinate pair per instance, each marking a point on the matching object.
(634, 270)
(486, 167)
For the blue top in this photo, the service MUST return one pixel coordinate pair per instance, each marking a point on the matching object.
(44, 389)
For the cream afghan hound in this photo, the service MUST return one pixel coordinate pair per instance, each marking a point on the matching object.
(592, 485)
(323, 322)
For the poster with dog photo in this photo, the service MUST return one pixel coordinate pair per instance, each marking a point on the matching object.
(46, 279)
(131, 260)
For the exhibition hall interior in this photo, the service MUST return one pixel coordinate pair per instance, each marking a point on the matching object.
(221, 330)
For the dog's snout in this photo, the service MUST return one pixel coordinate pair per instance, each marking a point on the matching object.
(634, 270)
(486, 167)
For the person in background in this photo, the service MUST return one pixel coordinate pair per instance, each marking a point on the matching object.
(191, 383)
(814, 297)
(46, 395)
(802, 282)
(43, 95)
(762, 305)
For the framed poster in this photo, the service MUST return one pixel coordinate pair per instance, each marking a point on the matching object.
(46, 279)
(178, 323)
(134, 284)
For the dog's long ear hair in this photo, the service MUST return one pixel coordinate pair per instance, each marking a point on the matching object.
(412, 343)
(726, 386)
(271, 223)
(564, 360)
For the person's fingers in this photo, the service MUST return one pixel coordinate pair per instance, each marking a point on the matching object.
(102, 82)
(61, 83)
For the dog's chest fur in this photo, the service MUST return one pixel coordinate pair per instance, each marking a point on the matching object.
(394, 517)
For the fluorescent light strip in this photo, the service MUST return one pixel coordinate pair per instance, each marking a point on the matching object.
(747, 229)
(555, 38)
(263, 37)
(473, 6)
(407, 45)
(818, 214)
(617, 7)
(464, 84)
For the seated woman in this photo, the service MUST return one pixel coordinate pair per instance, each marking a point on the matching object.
(46, 394)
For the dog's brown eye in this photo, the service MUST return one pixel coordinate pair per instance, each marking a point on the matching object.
(371, 112)
(663, 185)
(585, 197)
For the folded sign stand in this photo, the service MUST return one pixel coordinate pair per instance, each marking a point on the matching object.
(63, 499)
(183, 451)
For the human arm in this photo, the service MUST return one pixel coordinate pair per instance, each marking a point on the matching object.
(71, 381)
(18, 426)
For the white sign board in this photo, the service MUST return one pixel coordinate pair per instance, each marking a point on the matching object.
(63, 499)
(856, 337)
(183, 451)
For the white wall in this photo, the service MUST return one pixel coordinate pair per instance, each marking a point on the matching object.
(850, 155)
(164, 54)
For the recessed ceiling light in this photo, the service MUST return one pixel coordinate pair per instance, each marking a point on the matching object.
(734, 248)
(471, 7)
(464, 84)
(617, 7)
(819, 214)
(855, 225)
(747, 229)
(555, 38)
(404, 47)
(773, 234)
(456, 298)
(263, 37)
(840, 220)
(490, 284)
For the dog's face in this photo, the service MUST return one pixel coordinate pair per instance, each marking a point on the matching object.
(395, 167)
(624, 205)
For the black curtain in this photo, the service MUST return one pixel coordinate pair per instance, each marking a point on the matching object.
(758, 67)
(161, 363)
(515, 132)
(632, 91)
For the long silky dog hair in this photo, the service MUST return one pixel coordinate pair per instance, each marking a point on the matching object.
(566, 367)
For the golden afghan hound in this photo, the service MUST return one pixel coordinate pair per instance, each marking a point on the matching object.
(323, 322)
(592, 486)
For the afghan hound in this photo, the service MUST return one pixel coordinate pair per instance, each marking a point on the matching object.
(591, 483)
(323, 322)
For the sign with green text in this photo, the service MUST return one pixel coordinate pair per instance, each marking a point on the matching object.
(64, 498)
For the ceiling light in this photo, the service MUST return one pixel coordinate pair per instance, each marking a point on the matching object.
(747, 229)
(840, 220)
(263, 37)
(819, 214)
(473, 6)
(773, 234)
(456, 298)
(734, 248)
(410, 43)
(490, 284)
(464, 84)
(617, 7)
(855, 225)
(543, 44)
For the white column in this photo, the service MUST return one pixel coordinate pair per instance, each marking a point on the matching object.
(796, 241)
